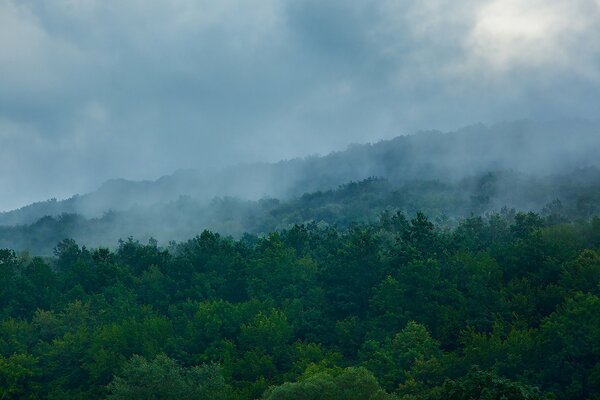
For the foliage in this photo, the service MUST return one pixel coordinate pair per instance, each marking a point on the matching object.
(349, 384)
(558, 197)
(398, 308)
(487, 386)
(162, 378)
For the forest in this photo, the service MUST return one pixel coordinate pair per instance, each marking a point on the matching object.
(434, 266)
(569, 196)
(300, 200)
(500, 306)
(547, 168)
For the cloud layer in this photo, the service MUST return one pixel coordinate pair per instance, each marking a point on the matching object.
(93, 89)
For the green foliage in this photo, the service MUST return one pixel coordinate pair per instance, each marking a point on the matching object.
(487, 386)
(349, 384)
(162, 378)
(399, 308)
(582, 274)
(17, 376)
(570, 341)
(393, 360)
(558, 198)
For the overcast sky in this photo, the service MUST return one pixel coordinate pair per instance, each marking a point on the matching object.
(91, 90)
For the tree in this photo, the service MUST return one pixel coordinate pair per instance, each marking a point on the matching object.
(392, 360)
(349, 384)
(9, 264)
(583, 274)
(570, 345)
(17, 374)
(486, 386)
(163, 379)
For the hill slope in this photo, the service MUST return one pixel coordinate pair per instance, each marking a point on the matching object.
(574, 195)
(537, 149)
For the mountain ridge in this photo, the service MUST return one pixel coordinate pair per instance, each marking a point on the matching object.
(534, 147)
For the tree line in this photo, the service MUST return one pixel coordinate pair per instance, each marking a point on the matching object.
(571, 196)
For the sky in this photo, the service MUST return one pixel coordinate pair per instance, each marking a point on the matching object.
(99, 89)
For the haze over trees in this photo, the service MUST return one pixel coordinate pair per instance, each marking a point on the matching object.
(424, 278)
(430, 285)
(433, 275)
(237, 200)
(528, 166)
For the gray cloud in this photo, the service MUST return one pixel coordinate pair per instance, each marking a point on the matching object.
(93, 89)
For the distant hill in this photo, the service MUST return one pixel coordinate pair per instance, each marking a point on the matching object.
(558, 197)
(532, 148)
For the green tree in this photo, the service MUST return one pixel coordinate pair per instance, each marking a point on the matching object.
(582, 274)
(570, 348)
(163, 379)
(392, 360)
(17, 377)
(486, 386)
(349, 384)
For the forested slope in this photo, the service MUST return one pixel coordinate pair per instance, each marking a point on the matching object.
(568, 196)
(524, 147)
(506, 306)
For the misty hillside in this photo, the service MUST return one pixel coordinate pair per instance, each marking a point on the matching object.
(571, 196)
(537, 149)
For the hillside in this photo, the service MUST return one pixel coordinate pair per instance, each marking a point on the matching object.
(504, 307)
(537, 149)
(569, 196)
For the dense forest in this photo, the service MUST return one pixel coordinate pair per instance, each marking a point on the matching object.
(299, 200)
(570, 196)
(436, 266)
(478, 170)
(502, 306)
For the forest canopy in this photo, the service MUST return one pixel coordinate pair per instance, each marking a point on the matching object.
(501, 306)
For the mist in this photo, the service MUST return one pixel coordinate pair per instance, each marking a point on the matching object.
(277, 199)
(550, 168)
(92, 91)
